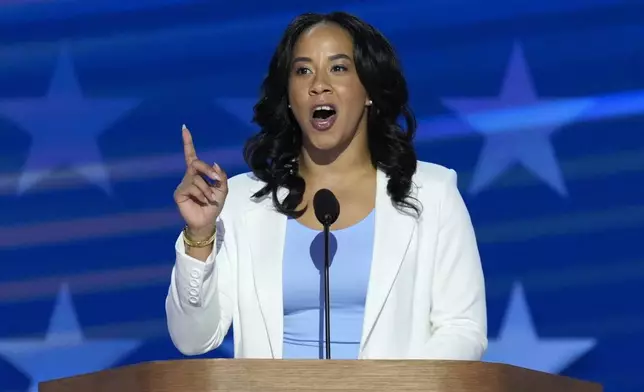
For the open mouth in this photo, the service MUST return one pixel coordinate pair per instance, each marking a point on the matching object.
(323, 117)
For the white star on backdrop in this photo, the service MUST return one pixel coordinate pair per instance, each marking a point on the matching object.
(64, 126)
(64, 351)
(517, 126)
(518, 343)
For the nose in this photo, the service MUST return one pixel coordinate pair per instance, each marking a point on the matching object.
(319, 85)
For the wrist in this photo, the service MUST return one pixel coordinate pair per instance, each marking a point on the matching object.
(200, 234)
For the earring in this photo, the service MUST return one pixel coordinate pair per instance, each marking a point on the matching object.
(370, 103)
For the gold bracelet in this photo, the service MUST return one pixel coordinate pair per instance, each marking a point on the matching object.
(198, 244)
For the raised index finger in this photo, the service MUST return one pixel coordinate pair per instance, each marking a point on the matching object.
(188, 146)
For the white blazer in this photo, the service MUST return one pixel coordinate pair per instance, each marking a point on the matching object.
(425, 300)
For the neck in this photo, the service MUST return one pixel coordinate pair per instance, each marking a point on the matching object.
(342, 165)
(355, 158)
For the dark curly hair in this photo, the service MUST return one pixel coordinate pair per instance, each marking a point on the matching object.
(272, 153)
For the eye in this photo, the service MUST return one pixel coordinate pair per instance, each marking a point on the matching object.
(338, 68)
(301, 70)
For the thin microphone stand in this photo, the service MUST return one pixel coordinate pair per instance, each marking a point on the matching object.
(327, 302)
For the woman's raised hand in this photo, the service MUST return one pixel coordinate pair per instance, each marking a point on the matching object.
(200, 202)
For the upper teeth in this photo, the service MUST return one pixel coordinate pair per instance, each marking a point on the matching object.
(323, 107)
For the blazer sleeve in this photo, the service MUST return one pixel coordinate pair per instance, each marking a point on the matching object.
(458, 309)
(200, 301)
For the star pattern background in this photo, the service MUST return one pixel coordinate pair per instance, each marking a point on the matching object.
(64, 127)
(518, 127)
(539, 107)
(519, 343)
(64, 351)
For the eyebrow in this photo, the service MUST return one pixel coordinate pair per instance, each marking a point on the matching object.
(331, 58)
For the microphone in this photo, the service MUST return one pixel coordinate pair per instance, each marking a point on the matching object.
(327, 211)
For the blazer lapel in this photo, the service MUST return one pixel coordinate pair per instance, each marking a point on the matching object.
(393, 233)
(266, 229)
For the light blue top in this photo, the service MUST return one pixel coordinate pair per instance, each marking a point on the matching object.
(303, 281)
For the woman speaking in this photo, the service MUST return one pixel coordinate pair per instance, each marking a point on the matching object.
(405, 274)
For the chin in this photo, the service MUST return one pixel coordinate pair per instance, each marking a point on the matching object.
(323, 140)
(324, 145)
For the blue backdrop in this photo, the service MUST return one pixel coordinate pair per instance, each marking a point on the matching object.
(539, 106)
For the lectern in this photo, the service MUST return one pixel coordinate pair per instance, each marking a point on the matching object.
(242, 375)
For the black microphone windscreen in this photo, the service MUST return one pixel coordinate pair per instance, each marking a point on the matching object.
(326, 206)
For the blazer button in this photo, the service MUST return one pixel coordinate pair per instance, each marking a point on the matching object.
(194, 292)
(193, 300)
(195, 273)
